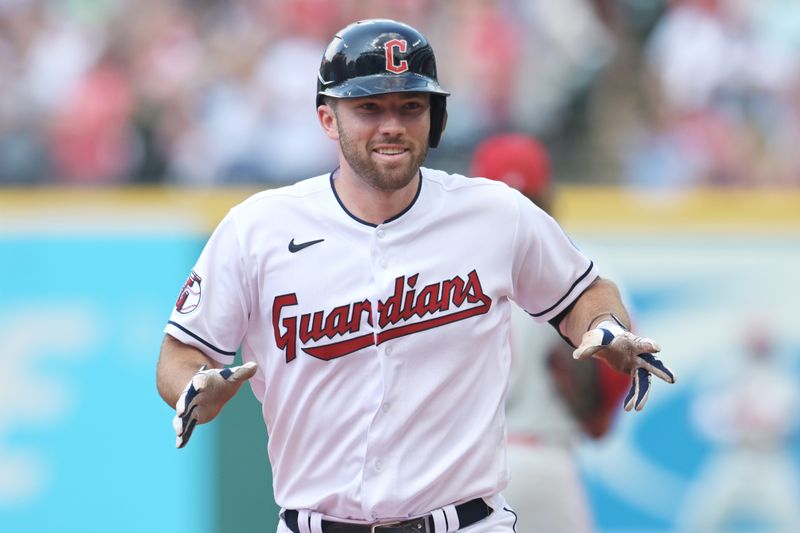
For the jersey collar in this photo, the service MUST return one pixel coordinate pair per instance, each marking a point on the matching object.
(370, 224)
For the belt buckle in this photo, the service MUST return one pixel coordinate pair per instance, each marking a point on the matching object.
(416, 524)
(375, 527)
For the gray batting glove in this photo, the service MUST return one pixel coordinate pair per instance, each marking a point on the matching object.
(626, 353)
(204, 396)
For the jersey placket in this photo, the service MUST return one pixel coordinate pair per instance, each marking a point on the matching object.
(380, 461)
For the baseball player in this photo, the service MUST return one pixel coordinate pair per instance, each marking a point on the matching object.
(553, 401)
(751, 412)
(372, 309)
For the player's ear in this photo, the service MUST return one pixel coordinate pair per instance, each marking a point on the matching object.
(327, 118)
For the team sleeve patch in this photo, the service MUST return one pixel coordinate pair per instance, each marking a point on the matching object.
(189, 297)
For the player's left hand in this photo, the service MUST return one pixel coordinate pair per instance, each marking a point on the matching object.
(205, 395)
(626, 353)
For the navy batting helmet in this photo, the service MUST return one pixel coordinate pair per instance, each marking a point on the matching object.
(381, 56)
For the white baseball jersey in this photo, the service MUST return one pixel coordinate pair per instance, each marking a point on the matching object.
(383, 350)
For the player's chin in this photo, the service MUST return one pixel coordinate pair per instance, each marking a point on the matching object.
(393, 179)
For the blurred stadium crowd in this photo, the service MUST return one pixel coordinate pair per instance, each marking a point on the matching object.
(205, 92)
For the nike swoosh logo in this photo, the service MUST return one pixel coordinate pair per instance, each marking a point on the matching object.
(294, 248)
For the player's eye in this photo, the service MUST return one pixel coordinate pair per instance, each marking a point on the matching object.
(415, 106)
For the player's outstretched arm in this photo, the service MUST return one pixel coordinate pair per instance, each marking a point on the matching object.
(196, 385)
(597, 326)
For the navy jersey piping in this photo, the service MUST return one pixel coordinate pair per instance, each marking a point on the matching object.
(591, 265)
(516, 518)
(370, 224)
(223, 352)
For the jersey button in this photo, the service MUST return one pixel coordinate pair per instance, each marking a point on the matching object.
(380, 234)
(384, 263)
(378, 465)
(385, 407)
(388, 350)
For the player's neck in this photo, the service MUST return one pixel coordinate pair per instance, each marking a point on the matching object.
(369, 203)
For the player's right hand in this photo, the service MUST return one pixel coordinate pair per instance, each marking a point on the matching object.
(204, 396)
(626, 353)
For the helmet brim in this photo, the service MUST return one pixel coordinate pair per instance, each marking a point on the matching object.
(383, 84)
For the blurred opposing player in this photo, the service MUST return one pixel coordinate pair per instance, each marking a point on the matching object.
(553, 400)
(751, 412)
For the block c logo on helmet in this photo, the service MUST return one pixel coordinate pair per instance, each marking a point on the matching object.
(390, 46)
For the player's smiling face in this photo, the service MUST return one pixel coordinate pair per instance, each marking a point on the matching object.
(384, 138)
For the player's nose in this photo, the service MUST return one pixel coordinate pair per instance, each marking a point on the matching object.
(392, 124)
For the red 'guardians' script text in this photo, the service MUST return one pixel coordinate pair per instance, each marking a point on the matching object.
(446, 302)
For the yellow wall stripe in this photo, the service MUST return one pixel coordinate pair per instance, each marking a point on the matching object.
(581, 209)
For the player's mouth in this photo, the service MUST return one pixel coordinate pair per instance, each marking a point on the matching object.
(390, 153)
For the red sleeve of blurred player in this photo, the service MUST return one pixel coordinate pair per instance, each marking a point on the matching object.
(612, 386)
(591, 389)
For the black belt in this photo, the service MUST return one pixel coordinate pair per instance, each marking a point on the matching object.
(468, 513)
